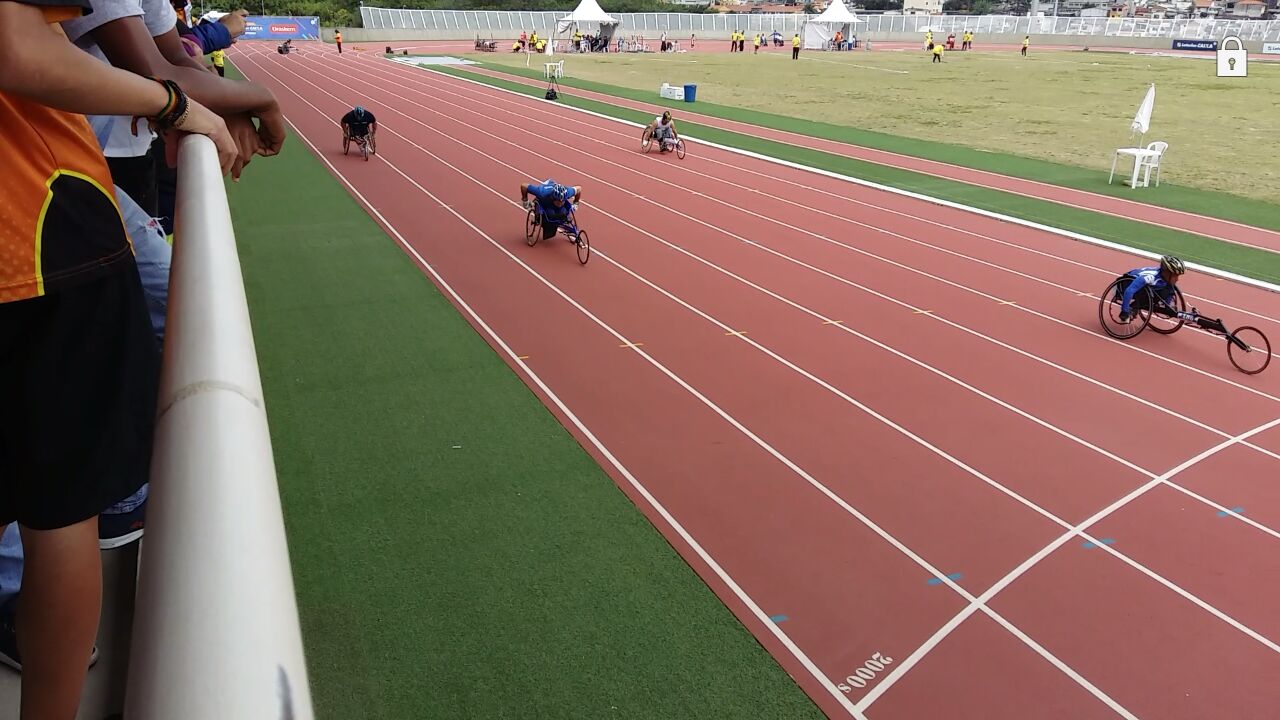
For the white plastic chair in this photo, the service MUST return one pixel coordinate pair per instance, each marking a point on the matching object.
(1152, 161)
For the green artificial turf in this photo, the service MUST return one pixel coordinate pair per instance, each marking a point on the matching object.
(1246, 261)
(456, 553)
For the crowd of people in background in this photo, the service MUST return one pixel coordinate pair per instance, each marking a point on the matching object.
(94, 95)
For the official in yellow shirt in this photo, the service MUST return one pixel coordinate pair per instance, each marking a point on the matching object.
(795, 47)
(219, 58)
(937, 53)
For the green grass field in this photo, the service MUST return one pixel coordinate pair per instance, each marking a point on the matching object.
(1068, 107)
(505, 578)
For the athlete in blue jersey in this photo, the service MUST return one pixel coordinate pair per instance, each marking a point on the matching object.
(555, 202)
(1161, 279)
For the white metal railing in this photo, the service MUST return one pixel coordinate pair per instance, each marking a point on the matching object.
(484, 22)
(216, 632)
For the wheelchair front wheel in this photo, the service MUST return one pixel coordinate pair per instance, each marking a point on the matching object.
(532, 226)
(1109, 313)
(584, 247)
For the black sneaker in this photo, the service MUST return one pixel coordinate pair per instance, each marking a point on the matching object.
(9, 638)
(119, 529)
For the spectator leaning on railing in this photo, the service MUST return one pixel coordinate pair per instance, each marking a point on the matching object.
(119, 29)
(128, 151)
(78, 362)
(212, 37)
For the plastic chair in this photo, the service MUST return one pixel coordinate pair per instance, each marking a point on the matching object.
(1152, 161)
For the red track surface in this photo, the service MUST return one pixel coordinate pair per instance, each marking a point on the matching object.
(829, 398)
(1225, 230)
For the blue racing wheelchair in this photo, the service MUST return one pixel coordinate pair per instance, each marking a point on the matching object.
(1247, 347)
(533, 231)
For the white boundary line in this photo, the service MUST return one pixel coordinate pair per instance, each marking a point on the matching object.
(892, 154)
(905, 193)
(1053, 428)
(887, 211)
(998, 486)
(514, 359)
(813, 481)
(876, 228)
(843, 280)
(885, 683)
(866, 521)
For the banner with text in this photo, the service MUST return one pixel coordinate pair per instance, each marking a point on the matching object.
(266, 27)
(1205, 45)
(1271, 48)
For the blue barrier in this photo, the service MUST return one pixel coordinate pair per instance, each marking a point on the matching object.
(1205, 45)
(260, 27)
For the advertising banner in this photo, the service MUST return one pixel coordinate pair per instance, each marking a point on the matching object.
(1205, 45)
(266, 27)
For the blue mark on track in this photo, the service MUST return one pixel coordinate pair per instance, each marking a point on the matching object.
(778, 618)
(938, 581)
(1102, 541)
(1236, 510)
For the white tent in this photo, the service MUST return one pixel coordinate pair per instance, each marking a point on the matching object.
(588, 13)
(819, 31)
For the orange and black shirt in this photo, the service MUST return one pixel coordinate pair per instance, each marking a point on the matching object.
(59, 222)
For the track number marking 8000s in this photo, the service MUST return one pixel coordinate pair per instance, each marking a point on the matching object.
(869, 670)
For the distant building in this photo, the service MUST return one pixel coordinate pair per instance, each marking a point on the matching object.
(1249, 9)
(922, 7)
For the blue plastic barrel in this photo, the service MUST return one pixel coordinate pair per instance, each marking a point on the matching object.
(690, 93)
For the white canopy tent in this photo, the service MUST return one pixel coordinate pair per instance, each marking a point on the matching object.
(819, 31)
(588, 14)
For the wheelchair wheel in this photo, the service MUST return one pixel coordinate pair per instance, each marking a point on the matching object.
(646, 140)
(1109, 312)
(532, 226)
(584, 247)
(364, 149)
(346, 144)
(680, 149)
(1254, 356)
(373, 145)
(1160, 323)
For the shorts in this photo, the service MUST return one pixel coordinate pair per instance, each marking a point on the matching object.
(79, 377)
(136, 176)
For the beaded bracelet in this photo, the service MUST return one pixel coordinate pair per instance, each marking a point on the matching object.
(174, 111)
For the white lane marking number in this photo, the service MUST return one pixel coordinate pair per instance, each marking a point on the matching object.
(867, 672)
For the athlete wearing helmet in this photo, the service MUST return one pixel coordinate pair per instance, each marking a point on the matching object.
(1160, 278)
(663, 129)
(554, 201)
(357, 123)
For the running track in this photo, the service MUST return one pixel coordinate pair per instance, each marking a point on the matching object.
(1133, 209)
(897, 425)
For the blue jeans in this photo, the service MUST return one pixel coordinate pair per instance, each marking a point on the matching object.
(152, 254)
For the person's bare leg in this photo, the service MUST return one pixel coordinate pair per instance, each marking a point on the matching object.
(57, 618)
